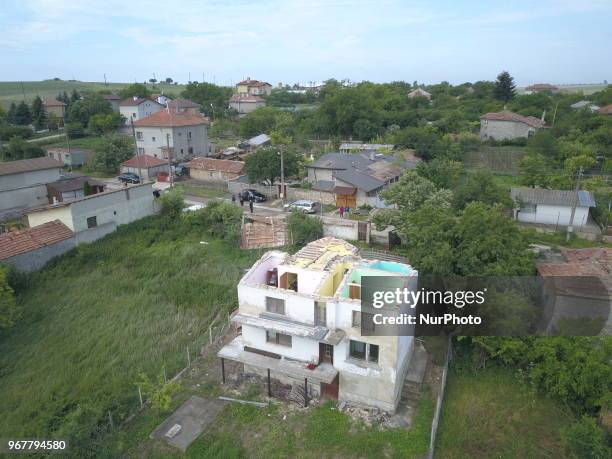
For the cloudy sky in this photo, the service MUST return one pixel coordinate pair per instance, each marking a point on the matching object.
(556, 41)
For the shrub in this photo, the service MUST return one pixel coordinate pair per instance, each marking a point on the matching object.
(585, 439)
(6, 132)
(172, 203)
(304, 229)
(8, 306)
(219, 219)
(75, 130)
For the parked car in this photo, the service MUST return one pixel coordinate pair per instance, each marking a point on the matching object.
(304, 205)
(252, 195)
(129, 177)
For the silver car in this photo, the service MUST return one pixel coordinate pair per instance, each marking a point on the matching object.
(304, 205)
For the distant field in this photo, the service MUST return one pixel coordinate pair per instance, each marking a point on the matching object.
(13, 91)
(586, 89)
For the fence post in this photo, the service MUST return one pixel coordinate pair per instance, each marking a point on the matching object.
(140, 396)
(210, 340)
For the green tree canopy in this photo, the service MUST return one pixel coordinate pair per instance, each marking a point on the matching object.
(264, 165)
(135, 90)
(111, 152)
(22, 115)
(504, 89)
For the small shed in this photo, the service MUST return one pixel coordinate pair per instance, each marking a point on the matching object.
(215, 170)
(147, 167)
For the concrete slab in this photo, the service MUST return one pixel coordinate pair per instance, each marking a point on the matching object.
(418, 364)
(188, 422)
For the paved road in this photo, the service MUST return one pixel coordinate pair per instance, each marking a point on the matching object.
(259, 209)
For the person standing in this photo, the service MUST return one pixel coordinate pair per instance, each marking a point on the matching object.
(341, 211)
(233, 199)
(251, 205)
(347, 209)
(241, 200)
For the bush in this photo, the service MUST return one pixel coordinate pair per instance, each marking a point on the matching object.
(219, 219)
(585, 439)
(75, 130)
(304, 229)
(8, 306)
(6, 132)
(172, 203)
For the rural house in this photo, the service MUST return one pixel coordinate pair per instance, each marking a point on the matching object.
(585, 105)
(30, 249)
(23, 184)
(254, 88)
(184, 132)
(145, 166)
(541, 87)
(70, 156)
(184, 105)
(356, 179)
(113, 100)
(92, 217)
(215, 170)
(244, 103)
(136, 108)
(551, 207)
(508, 125)
(56, 108)
(301, 320)
(73, 188)
(419, 93)
(578, 285)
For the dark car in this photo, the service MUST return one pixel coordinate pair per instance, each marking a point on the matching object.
(252, 195)
(129, 177)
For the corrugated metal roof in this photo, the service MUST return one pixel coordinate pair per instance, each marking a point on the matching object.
(29, 165)
(552, 197)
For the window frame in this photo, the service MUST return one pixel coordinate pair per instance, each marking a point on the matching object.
(281, 339)
(89, 221)
(274, 309)
(371, 352)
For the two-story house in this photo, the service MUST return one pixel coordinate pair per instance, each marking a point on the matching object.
(181, 134)
(508, 125)
(250, 87)
(300, 317)
(136, 108)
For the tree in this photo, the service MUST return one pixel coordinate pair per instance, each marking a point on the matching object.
(17, 148)
(585, 439)
(220, 219)
(104, 123)
(39, 115)
(481, 187)
(135, 90)
(443, 173)
(111, 152)
(152, 80)
(81, 111)
(63, 97)
(7, 132)
(9, 311)
(212, 98)
(534, 170)
(264, 164)
(169, 80)
(22, 116)
(172, 203)
(304, 228)
(504, 89)
(10, 115)
(74, 96)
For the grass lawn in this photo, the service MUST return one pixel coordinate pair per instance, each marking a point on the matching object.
(105, 312)
(559, 239)
(491, 414)
(13, 91)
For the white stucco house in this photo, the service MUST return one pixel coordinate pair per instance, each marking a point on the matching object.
(185, 132)
(508, 125)
(96, 215)
(244, 103)
(301, 319)
(551, 207)
(136, 108)
(23, 184)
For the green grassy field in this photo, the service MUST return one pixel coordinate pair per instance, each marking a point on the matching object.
(13, 91)
(100, 315)
(491, 414)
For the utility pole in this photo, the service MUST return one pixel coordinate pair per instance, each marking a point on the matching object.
(555, 114)
(282, 193)
(105, 83)
(136, 149)
(169, 162)
(570, 228)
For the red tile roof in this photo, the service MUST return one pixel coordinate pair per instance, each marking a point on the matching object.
(607, 110)
(541, 87)
(253, 83)
(53, 103)
(132, 101)
(506, 115)
(144, 161)
(23, 241)
(169, 118)
(220, 165)
(111, 97)
(28, 165)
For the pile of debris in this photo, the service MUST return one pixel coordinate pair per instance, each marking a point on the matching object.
(369, 415)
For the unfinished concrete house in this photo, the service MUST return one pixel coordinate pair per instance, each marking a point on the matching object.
(300, 321)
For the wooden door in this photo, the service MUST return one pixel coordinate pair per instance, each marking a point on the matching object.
(330, 391)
